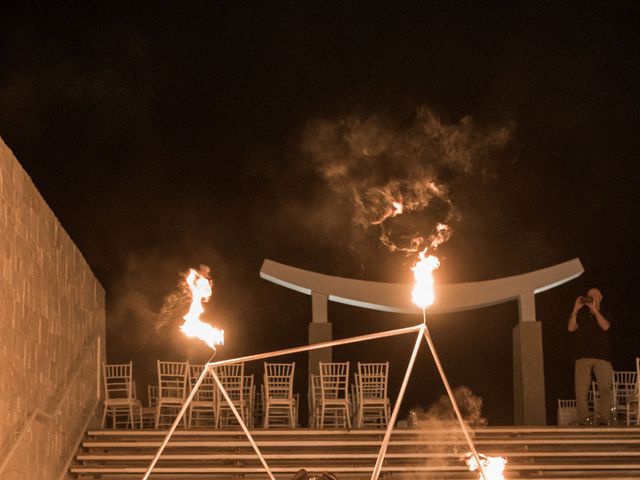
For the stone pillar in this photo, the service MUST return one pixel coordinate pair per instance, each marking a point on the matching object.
(528, 375)
(319, 331)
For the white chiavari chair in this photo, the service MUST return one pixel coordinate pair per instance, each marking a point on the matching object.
(623, 389)
(149, 412)
(249, 393)
(120, 399)
(280, 403)
(567, 412)
(334, 396)
(232, 379)
(633, 403)
(172, 391)
(373, 402)
(313, 399)
(202, 409)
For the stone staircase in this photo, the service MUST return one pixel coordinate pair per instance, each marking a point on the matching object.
(551, 453)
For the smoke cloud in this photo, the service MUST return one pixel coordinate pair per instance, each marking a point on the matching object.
(441, 412)
(440, 423)
(398, 175)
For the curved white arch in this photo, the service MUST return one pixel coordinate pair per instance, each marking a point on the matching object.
(395, 297)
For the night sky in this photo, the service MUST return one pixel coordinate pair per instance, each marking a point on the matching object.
(172, 134)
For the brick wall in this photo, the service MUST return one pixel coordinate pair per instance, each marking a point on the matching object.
(52, 330)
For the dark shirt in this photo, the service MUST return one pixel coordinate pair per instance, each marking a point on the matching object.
(590, 341)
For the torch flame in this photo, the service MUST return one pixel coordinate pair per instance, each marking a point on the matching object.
(493, 467)
(200, 287)
(422, 293)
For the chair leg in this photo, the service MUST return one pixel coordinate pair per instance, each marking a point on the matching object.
(265, 421)
(184, 420)
(114, 417)
(104, 416)
(386, 415)
(158, 407)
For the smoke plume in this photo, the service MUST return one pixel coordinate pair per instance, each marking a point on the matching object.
(398, 175)
(441, 412)
(442, 433)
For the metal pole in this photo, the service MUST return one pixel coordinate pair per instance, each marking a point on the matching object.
(474, 452)
(317, 346)
(175, 422)
(396, 408)
(241, 422)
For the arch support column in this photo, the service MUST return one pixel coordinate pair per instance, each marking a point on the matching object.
(529, 405)
(319, 331)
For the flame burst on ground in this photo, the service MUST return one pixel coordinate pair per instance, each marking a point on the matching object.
(201, 290)
(493, 467)
(423, 294)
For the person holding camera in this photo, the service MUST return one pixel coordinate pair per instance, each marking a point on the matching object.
(591, 332)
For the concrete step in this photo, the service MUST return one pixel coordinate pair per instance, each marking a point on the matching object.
(540, 452)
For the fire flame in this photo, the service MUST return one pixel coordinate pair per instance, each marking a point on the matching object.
(493, 467)
(200, 287)
(423, 294)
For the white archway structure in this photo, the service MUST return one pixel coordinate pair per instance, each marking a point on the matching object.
(528, 372)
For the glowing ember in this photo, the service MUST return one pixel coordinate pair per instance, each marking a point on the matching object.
(200, 287)
(397, 208)
(422, 293)
(493, 467)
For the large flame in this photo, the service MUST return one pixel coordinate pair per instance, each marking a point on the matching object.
(492, 467)
(200, 287)
(423, 294)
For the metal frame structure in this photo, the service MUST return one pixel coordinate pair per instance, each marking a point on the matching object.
(422, 332)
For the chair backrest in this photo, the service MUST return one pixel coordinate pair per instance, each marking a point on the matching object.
(334, 380)
(372, 380)
(172, 379)
(206, 391)
(566, 403)
(232, 379)
(152, 395)
(118, 383)
(278, 380)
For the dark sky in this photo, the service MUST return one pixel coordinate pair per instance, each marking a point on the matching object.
(172, 134)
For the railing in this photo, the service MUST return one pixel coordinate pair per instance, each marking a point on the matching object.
(78, 440)
(58, 406)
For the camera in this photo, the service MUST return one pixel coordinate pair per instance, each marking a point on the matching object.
(585, 300)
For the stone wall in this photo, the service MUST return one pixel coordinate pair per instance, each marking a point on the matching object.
(52, 330)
